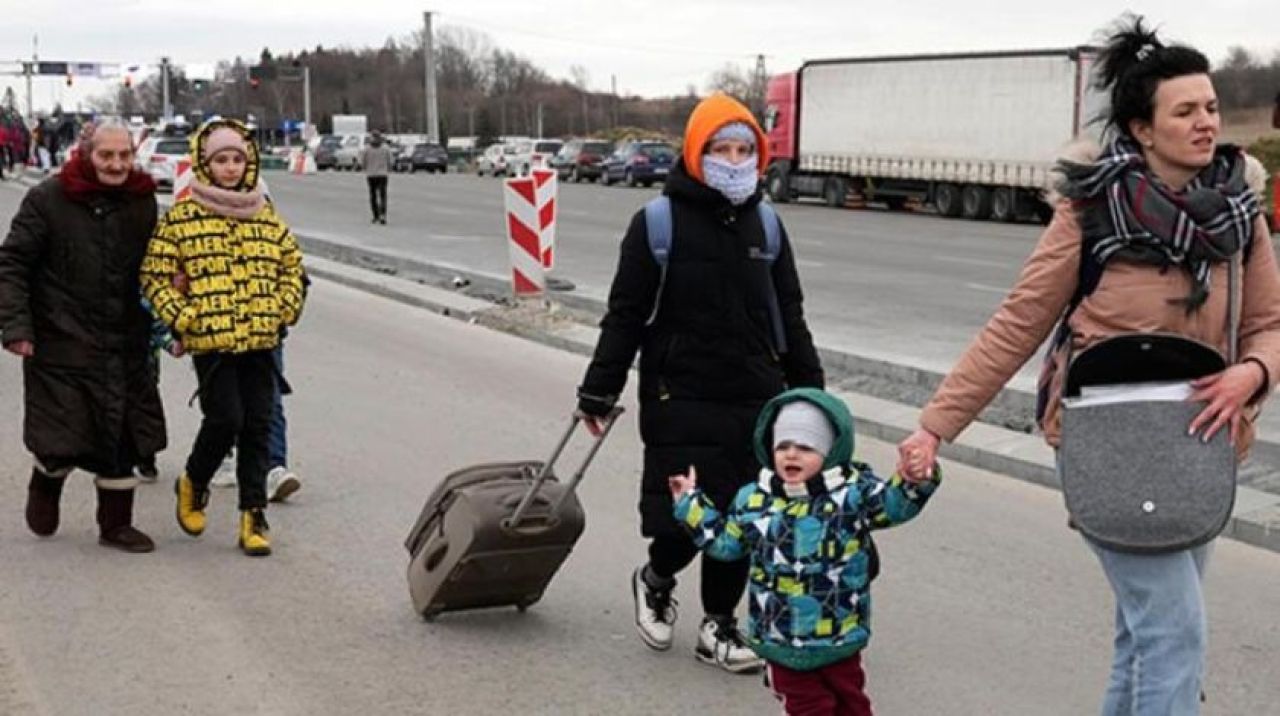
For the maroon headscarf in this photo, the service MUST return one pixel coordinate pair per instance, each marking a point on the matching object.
(80, 181)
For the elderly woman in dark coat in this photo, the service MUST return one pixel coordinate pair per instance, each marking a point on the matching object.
(69, 307)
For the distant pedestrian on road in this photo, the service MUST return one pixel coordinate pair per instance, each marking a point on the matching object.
(244, 274)
(375, 160)
(69, 307)
(1163, 179)
(720, 330)
(805, 525)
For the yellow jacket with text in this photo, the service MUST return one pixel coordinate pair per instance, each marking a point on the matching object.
(244, 276)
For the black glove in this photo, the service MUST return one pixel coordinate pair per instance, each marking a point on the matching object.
(596, 406)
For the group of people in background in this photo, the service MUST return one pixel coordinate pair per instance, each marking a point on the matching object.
(93, 281)
(39, 145)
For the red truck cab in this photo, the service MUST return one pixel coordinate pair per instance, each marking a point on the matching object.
(780, 116)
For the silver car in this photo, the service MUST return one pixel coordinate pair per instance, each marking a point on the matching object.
(158, 156)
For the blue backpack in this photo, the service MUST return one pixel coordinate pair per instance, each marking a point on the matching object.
(657, 219)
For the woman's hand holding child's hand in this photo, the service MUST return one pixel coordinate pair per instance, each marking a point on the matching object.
(680, 484)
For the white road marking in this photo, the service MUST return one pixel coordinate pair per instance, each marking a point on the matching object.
(969, 262)
(987, 289)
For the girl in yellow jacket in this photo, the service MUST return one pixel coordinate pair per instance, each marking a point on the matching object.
(224, 271)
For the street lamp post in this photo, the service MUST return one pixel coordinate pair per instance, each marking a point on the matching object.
(165, 109)
(429, 59)
(306, 101)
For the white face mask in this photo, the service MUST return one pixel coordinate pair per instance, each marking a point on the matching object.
(736, 181)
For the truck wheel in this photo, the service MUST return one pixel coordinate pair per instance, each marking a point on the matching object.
(834, 191)
(1004, 204)
(946, 199)
(775, 183)
(976, 200)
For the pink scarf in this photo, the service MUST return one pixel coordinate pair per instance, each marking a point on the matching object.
(226, 202)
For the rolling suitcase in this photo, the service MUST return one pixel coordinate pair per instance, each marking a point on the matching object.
(494, 534)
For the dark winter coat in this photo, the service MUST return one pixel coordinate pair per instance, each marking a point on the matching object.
(707, 363)
(69, 284)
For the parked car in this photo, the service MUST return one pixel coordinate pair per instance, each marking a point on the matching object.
(347, 155)
(158, 156)
(328, 144)
(429, 158)
(641, 163)
(580, 159)
(536, 153)
(489, 160)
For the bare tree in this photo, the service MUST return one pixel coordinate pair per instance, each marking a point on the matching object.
(732, 80)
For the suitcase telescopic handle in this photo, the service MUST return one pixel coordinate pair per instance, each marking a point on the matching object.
(519, 514)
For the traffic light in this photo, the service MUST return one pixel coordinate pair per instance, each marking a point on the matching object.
(254, 83)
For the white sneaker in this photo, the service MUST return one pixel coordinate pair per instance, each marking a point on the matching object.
(281, 482)
(226, 474)
(721, 644)
(655, 612)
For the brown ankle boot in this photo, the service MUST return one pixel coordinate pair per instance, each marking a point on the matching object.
(43, 495)
(115, 520)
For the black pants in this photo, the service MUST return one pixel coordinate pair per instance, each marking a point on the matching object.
(235, 396)
(378, 196)
(722, 582)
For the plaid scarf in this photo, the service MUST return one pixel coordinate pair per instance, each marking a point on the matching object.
(1146, 222)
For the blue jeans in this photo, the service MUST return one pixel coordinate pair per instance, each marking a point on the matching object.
(1160, 632)
(277, 443)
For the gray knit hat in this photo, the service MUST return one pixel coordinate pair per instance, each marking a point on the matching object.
(734, 130)
(804, 423)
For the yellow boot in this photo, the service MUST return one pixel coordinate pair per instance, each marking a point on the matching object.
(255, 540)
(191, 505)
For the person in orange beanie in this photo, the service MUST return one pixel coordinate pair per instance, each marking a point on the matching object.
(707, 292)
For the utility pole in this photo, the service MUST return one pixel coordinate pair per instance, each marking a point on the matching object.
(165, 109)
(759, 82)
(306, 101)
(613, 81)
(429, 59)
(31, 70)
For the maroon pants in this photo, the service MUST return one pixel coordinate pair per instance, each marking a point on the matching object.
(833, 690)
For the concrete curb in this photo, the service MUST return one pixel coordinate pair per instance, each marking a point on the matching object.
(1255, 521)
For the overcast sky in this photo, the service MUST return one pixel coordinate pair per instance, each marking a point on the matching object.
(653, 47)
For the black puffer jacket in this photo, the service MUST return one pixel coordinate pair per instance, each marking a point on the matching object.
(707, 364)
(69, 284)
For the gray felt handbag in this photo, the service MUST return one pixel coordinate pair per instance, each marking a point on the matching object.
(1133, 479)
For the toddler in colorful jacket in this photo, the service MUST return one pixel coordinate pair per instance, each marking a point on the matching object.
(805, 524)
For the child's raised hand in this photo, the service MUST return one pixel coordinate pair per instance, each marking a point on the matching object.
(680, 484)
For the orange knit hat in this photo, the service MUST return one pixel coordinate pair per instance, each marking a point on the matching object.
(710, 115)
